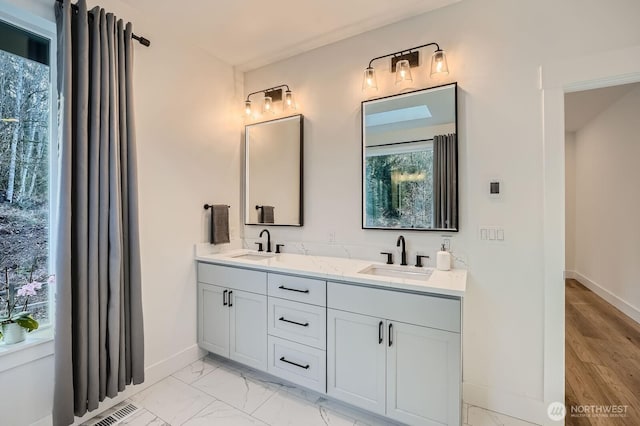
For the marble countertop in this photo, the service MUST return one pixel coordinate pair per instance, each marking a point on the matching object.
(448, 283)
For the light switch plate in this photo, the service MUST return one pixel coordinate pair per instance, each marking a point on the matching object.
(491, 233)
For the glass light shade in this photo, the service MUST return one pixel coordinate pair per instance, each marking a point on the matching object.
(247, 107)
(369, 81)
(403, 71)
(289, 101)
(267, 106)
(439, 64)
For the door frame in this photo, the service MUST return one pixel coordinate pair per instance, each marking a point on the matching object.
(594, 71)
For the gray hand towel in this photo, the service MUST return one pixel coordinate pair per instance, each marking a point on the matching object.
(268, 214)
(219, 224)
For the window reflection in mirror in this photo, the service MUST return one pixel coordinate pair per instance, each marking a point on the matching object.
(273, 166)
(410, 161)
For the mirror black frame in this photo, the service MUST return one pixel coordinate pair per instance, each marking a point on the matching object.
(362, 163)
(301, 171)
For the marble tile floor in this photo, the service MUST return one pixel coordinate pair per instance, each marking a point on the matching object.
(214, 391)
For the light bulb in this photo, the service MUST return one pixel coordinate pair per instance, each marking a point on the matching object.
(439, 64)
(268, 105)
(369, 80)
(247, 108)
(403, 71)
(289, 101)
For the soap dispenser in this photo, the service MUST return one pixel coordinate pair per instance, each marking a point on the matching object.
(443, 260)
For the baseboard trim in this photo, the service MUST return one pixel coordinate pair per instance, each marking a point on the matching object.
(626, 308)
(153, 374)
(521, 407)
(569, 275)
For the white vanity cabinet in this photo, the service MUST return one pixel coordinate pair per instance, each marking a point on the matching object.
(232, 313)
(394, 353)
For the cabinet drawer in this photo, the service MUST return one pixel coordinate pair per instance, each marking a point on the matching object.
(299, 322)
(428, 311)
(298, 363)
(233, 278)
(306, 290)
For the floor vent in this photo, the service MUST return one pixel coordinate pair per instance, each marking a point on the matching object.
(117, 416)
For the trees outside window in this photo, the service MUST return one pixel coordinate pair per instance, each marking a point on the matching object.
(24, 174)
(400, 189)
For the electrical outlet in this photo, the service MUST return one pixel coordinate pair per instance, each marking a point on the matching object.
(447, 244)
(331, 236)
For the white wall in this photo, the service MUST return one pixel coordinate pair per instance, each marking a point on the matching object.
(570, 198)
(189, 153)
(494, 51)
(25, 396)
(607, 202)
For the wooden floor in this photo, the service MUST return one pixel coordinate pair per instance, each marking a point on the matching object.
(602, 357)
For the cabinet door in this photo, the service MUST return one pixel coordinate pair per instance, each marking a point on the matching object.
(423, 375)
(248, 328)
(356, 353)
(213, 319)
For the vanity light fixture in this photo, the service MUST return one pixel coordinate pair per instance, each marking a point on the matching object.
(402, 62)
(271, 95)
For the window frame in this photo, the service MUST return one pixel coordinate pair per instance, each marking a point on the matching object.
(45, 28)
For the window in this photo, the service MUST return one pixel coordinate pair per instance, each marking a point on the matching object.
(25, 172)
(400, 185)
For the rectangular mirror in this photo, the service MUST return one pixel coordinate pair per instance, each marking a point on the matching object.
(273, 172)
(410, 161)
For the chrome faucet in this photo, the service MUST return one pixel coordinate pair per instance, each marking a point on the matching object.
(268, 239)
(404, 251)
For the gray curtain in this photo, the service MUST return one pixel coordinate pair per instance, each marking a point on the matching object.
(99, 341)
(445, 181)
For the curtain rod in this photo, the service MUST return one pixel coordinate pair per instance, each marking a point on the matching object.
(143, 41)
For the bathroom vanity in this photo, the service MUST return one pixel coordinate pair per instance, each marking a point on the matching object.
(383, 338)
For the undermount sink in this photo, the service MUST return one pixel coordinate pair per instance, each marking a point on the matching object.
(398, 272)
(253, 256)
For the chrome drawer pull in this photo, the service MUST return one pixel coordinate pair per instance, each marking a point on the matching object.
(306, 367)
(293, 289)
(306, 324)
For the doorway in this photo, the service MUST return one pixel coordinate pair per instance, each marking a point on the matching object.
(602, 245)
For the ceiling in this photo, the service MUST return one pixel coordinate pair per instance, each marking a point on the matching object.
(582, 107)
(251, 33)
